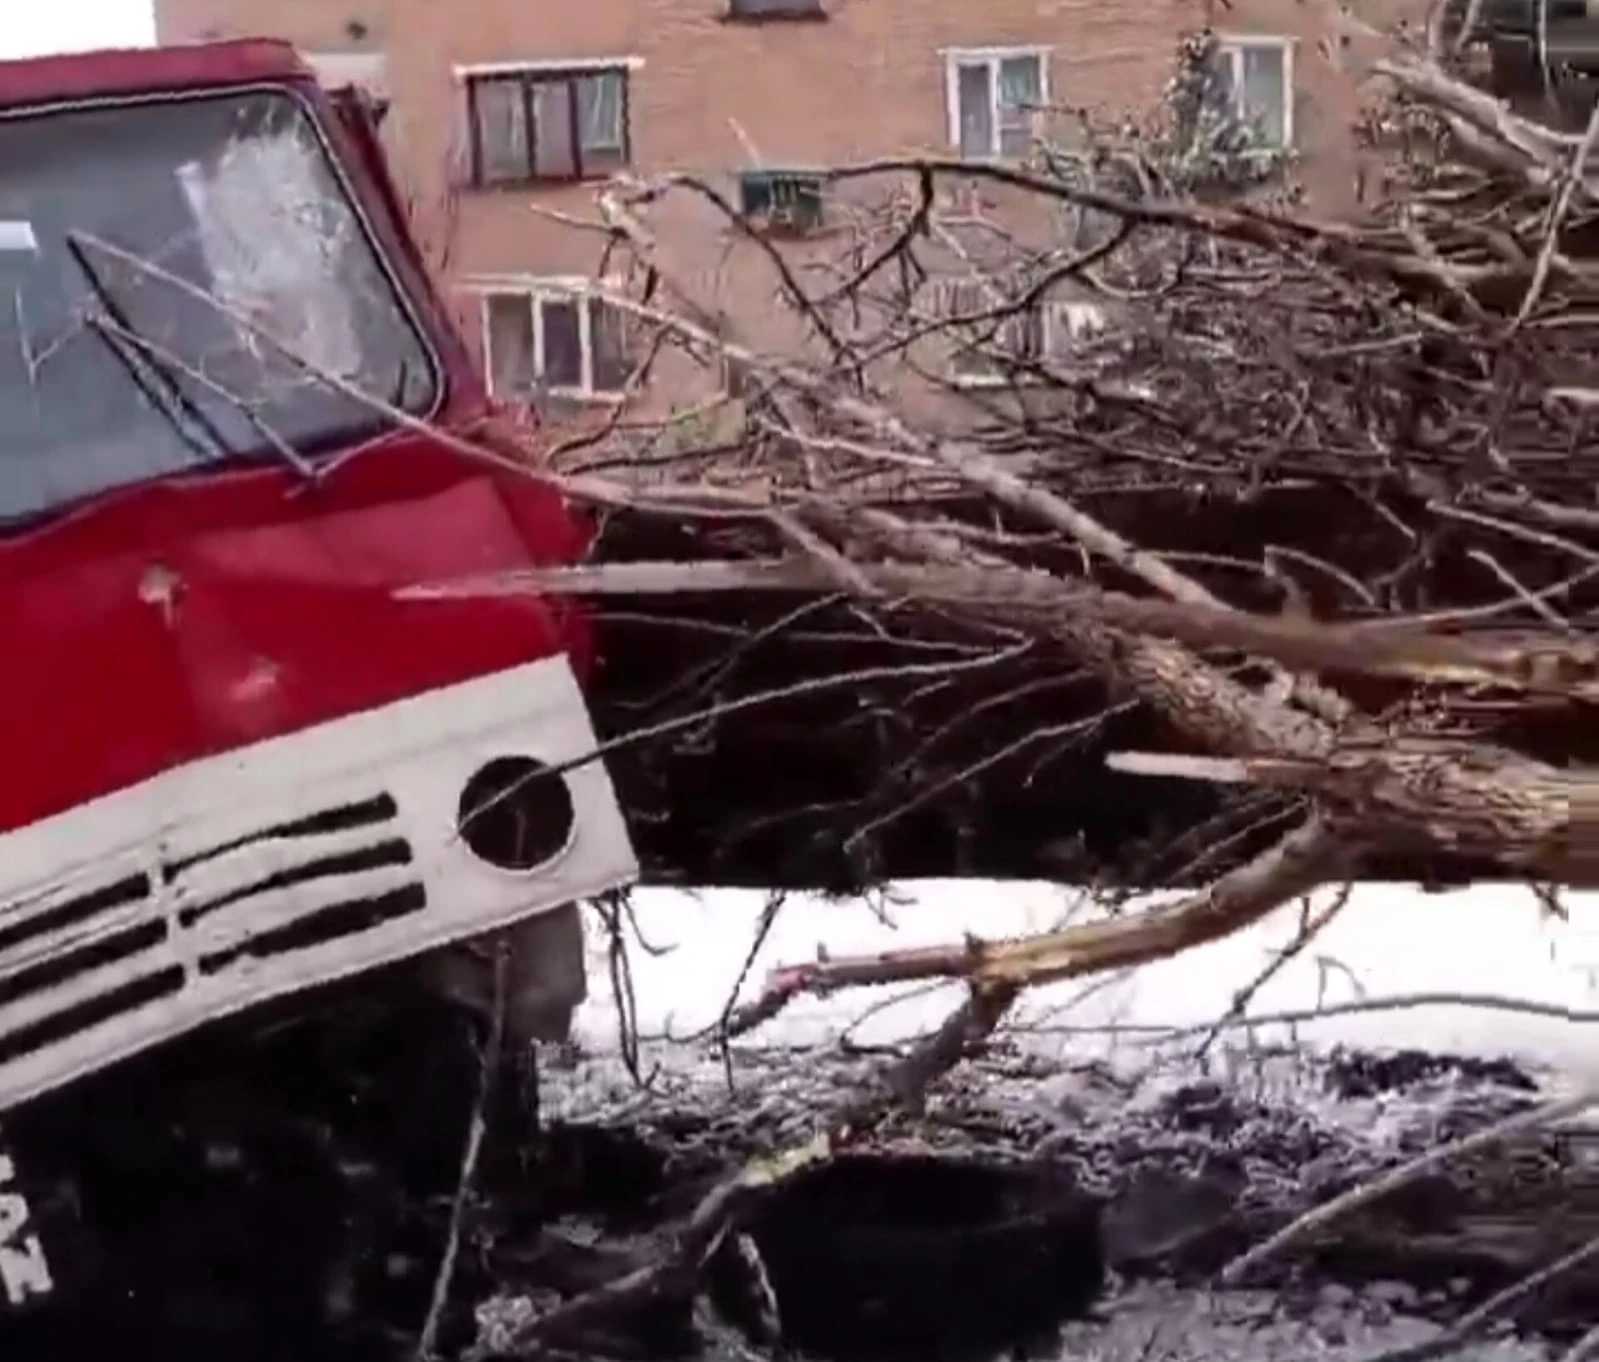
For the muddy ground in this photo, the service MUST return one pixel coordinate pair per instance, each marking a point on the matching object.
(286, 1191)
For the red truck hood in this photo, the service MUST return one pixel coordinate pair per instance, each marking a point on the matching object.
(191, 617)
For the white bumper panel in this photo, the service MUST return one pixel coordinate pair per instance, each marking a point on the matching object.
(278, 867)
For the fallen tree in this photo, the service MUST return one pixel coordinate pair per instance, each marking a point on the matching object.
(1375, 615)
(1431, 365)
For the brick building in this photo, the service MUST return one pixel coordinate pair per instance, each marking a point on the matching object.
(499, 109)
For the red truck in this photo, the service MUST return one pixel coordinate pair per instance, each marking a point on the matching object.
(235, 419)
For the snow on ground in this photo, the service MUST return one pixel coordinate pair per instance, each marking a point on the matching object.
(1484, 943)
(1525, 984)
(1156, 1322)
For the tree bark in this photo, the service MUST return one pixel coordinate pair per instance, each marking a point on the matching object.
(1400, 789)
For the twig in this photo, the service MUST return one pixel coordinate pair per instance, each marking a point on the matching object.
(488, 1074)
(1469, 1326)
(1574, 177)
(1396, 1002)
(1310, 927)
(1585, 1349)
(1298, 863)
(1239, 1269)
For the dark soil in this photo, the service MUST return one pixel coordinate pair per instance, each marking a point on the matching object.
(912, 1256)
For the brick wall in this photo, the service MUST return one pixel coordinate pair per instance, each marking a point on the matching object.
(708, 96)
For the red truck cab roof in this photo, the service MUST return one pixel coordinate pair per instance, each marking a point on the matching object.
(148, 70)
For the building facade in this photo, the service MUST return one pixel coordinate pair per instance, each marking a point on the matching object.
(502, 115)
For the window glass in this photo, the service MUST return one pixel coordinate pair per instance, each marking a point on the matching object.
(510, 344)
(562, 326)
(182, 282)
(975, 95)
(1264, 82)
(1021, 92)
(502, 131)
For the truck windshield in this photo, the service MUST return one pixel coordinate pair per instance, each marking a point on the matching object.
(112, 372)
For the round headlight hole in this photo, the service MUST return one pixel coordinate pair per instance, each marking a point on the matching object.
(516, 813)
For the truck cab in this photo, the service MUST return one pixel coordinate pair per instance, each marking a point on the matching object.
(235, 423)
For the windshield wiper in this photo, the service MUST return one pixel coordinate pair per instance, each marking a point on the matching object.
(144, 357)
(160, 388)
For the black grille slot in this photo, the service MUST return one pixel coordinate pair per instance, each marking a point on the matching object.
(57, 970)
(394, 851)
(328, 924)
(364, 813)
(63, 1025)
(73, 961)
(74, 910)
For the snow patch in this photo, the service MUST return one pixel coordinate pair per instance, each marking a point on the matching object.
(1389, 941)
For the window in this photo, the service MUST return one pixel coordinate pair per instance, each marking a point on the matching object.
(781, 200)
(738, 382)
(775, 9)
(989, 345)
(1069, 324)
(531, 125)
(993, 96)
(1000, 349)
(111, 376)
(1256, 76)
(554, 338)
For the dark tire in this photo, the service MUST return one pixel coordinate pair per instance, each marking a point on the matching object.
(925, 1257)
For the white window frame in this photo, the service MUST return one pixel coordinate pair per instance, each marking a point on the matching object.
(957, 57)
(1054, 344)
(542, 66)
(990, 378)
(1232, 46)
(1066, 319)
(538, 290)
